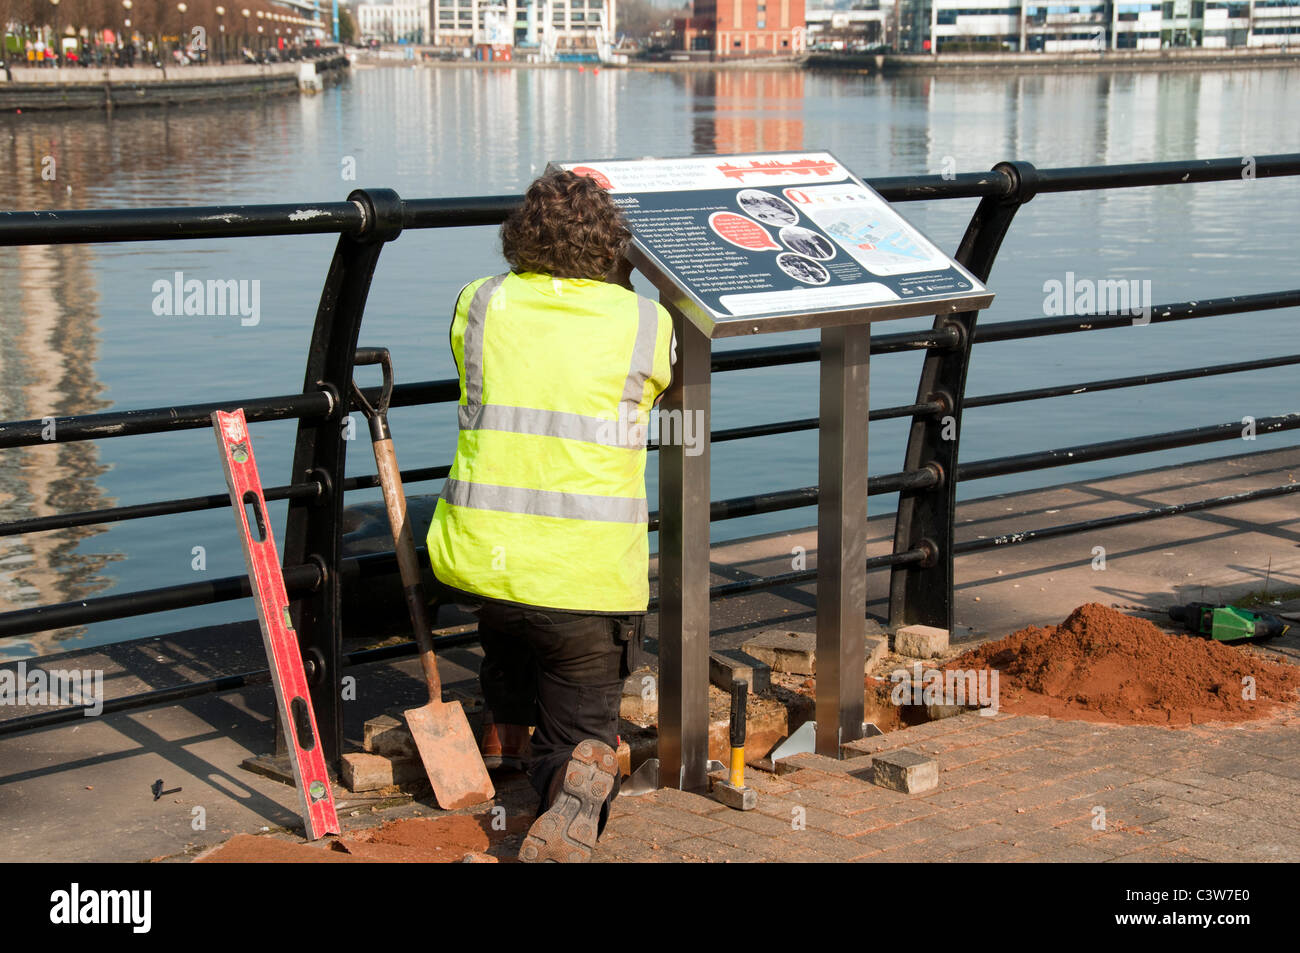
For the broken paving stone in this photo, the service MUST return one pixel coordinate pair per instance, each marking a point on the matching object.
(640, 701)
(372, 772)
(389, 737)
(905, 771)
(921, 641)
(728, 665)
(785, 651)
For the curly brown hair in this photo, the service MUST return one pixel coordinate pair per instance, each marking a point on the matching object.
(568, 227)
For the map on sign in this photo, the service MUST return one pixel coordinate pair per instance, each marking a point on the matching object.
(781, 237)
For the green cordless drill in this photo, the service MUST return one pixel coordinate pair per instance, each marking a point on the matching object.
(1227, 623)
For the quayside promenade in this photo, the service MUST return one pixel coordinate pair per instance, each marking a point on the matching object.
(1011, 787)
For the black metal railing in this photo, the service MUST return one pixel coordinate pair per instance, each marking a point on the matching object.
(921, 561)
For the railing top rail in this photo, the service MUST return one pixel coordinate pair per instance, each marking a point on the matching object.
(91, 226)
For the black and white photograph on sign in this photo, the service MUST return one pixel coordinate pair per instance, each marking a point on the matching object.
(806, 242)
(767, 207)
(802, 269)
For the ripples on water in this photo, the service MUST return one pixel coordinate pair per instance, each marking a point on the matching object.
(77, 333)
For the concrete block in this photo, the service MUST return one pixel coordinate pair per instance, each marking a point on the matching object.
(640, 701)
(739, 799)
(905, 771)
(727, 665)
(921, 641)
(371, 772)
(785, 651)
(388, 737)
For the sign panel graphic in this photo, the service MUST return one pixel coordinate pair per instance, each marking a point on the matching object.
(778, 241)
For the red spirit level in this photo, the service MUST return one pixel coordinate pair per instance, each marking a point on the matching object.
(291, 695)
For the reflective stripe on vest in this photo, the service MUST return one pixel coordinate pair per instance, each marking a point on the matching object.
(573, 506)
(476, 415)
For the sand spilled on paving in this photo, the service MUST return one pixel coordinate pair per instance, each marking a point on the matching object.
(1102, 665)
(418, 840)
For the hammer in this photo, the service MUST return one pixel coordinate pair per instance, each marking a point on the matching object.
(733, 792)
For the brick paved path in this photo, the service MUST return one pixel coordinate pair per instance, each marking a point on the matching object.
(1011, 788)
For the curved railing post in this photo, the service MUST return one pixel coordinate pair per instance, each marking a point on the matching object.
(313, 529)
(922, 593)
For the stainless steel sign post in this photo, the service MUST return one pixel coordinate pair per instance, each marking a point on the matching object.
(755, 244)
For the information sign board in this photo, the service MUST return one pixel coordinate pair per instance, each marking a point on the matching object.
(776, 242)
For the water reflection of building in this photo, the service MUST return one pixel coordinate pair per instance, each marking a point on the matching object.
(747, 111)
(48, 346)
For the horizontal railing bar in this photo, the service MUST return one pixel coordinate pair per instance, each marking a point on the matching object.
(26, 433)
(458, 212)
(991, 332)
(801, 576)
(758, 503)
(959, 185)
(1140, 380)
(123, 423)
(927, 409)
(1121, 519)
(1108, 449)
(116, 514)
(87, 226)
(213, 501)
(90, 226)
(1138, 174)
(775, 355)
(297, 580)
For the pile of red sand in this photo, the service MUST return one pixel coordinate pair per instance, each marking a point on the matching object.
(1103, 665)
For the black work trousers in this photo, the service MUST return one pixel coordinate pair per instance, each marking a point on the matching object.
(559, 671)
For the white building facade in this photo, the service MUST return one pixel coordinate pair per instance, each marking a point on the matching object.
(1062, 26)
(398, 21)
(551, 26)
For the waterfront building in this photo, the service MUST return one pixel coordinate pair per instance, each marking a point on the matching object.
(1053, 26)
(398, 21)
(549, 26)
(976, 26)
(847, 25)
(743, 28)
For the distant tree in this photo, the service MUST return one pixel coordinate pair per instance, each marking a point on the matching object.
(347, 26)
(637, 19)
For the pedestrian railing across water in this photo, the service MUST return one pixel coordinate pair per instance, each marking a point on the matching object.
(920, 563)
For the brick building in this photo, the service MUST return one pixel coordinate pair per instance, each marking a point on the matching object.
(743, 27)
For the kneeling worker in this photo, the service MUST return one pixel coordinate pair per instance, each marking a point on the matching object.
(543, 518)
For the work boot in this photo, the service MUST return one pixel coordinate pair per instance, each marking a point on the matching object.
(566, 832)
(505, 746)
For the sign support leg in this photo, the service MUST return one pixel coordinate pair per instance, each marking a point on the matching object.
(684, 422)
(842, 536)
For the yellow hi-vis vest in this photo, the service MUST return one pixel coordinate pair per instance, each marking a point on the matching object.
(545, 504)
